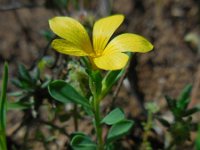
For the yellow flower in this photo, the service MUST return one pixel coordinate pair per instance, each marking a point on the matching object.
(102, 53)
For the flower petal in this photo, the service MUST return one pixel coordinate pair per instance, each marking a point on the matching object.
(72, 31)
(103, 30)
(128, 42)
(65, 47)
(111, 61)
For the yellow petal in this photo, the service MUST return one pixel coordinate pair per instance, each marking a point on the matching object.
(128, 42)
(103, 30)
(112, 61)
(72, 31)
(65, 47)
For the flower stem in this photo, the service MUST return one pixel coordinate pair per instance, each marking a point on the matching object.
(98, 126)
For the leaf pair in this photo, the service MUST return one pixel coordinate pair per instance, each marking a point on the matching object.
(120, 126)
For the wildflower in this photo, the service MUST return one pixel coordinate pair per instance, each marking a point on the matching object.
(102, 53)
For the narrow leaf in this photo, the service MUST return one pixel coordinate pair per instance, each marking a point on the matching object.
(3, 109)
(184, 97)
(17, 83)
(113, 117)
(65, 93)
(82, 142)
(191, 111)
(118, 130)
(95, 79)
(172, 106)
(110, 79)
(171, 102)
(164, 122)
(24, 74)
(18, 105)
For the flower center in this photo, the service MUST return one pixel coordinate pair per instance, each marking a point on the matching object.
(96, 54)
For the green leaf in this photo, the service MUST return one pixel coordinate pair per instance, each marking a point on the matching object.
(82, 142)
(110, 146)
(118, 130)
(25, 80)
(17, 83)
(3, 109)
(163, 122)
(170, 102)
(113, 117)
(191, 111)
(110, 79)
(184, 97)
(46, 83)
(23, 73)
(95, 79)
(16, 93)
(35, 74)
(86, 63)
(65, 93)
(197, 143)
(172, 105)
(18, 105)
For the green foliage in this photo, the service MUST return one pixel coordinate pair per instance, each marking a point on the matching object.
(95, 84)
(24, 80)
(3, 109)
(81, 141)
(118, 130)
(113, 117)
(31, 87)
(197, 144)
(18, 105)
(110, 79)
(46, 61)
(99, 87)
(182, 124)
(65, 93)
(179, 106)
(151, 108)
(120, 126)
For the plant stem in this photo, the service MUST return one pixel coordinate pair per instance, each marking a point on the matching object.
(147, 127)
(98, 126)
(3, 141)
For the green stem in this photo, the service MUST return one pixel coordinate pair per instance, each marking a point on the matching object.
(3, 145)
(147, 128)
(98, 126)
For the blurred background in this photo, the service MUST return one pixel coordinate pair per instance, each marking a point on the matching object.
(171, 25)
